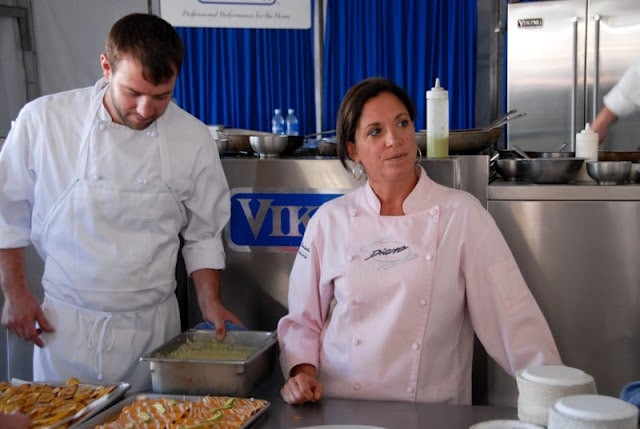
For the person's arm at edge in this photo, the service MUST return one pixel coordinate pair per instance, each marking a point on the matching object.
(207, 285)
(602, 122)
(21, 309)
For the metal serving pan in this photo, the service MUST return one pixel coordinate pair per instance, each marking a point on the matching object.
(212, 376)
(90, 409)
(113, 411)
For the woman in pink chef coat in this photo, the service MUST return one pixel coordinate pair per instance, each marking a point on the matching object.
(392, 279)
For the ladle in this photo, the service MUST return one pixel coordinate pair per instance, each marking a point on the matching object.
(519, 151)
(511, 114)
(308, 136)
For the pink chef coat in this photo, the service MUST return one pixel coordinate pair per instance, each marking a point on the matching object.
(386, 306)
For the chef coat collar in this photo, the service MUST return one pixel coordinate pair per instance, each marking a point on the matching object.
(416, 200)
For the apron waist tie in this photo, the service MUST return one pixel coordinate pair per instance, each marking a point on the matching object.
(101, 338)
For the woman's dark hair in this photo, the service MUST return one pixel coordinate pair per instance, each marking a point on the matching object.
(351, 109)
(151, 41)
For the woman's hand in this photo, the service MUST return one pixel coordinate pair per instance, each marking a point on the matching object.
(302, 386)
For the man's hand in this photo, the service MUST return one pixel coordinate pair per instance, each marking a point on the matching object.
(21, 313)
(207, 285)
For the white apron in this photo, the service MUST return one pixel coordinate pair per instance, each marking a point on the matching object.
(110, 245)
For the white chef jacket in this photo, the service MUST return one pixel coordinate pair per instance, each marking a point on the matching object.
(44, 160)
(624, 97)
(36, 166)
(386, 306)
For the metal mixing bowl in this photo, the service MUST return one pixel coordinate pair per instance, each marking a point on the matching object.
(609, 172)
(551, 170)
(510, 169)
(550, 154)
(634, 173)
(269, 145)
(222, 144)
(327, 146)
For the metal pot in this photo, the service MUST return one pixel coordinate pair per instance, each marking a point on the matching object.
(327, 147)
(465, 142)
(551, 170)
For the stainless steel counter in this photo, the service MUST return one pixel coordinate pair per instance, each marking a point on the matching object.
(386, 414)
(502, 190)
(578, 248)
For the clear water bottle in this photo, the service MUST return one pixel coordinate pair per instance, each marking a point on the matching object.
(293, 128)
(277, 122)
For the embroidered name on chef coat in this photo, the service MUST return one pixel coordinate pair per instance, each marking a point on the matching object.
(386, 253)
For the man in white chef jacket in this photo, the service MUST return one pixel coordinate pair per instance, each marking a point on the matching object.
(620, 102)
(103, 181)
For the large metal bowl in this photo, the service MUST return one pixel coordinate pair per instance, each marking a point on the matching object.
(634, 173)
(550, 154)
(551, 170)
(269, 145)
(327, 146)
(609, 172)
(510, 169)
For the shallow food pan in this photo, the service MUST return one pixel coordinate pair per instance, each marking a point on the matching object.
(195, 363)
(113, 412)
(67, 404)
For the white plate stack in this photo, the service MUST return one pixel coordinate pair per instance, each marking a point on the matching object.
(540, 387)
(592, 412)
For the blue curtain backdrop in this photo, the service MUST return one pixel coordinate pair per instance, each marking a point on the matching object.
(236, 77)
(409, 41)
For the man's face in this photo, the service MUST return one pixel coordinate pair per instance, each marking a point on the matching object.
(131, 100)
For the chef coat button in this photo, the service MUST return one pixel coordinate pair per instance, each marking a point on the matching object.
(151, 133)
(96, 177)
(357, 341)
(350, 258)
(433, 211)
(415, 346)
(142, 181)
(102, 125)
(410, 389)
(429, 256)
(423, 302)
(357, 387)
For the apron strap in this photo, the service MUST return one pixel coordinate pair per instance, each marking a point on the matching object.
(97, 335)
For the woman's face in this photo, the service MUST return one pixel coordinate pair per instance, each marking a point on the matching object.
(385, 140)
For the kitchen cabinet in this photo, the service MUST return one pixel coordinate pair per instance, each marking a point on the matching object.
(578, 248)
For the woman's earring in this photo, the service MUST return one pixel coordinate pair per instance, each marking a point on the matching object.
(419, 158)
(357, 169)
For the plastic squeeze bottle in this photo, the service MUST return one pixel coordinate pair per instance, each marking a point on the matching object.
(587, 148)
(437, 122)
